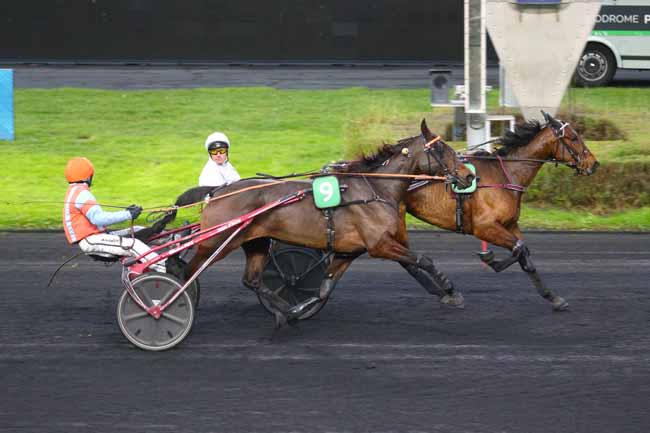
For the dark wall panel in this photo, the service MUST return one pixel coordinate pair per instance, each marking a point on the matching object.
(232, 30)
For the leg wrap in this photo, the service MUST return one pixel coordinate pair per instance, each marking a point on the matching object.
(518, 251)
(326, 288)
(438, 281)
(543, 291)
(424, 279)
(523, 255)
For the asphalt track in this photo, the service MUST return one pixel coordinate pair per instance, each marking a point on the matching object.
(137, 77)
(383, 356)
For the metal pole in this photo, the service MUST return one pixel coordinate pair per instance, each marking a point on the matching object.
(475, 71)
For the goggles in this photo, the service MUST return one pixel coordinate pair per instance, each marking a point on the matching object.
(218, 151)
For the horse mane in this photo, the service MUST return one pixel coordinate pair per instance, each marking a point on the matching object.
(371, 162)
(521, 136)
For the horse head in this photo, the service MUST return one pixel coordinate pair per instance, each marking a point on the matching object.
(436, 150)
(570, 147)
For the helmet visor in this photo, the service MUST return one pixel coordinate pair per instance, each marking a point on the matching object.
(218, 151)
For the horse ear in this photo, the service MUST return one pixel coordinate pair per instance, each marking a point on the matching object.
(547, 117)
(425, 130)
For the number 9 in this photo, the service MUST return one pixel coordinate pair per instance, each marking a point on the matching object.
(327, 190)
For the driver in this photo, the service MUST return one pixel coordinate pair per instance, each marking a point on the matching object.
(218, 170)
(84, 220)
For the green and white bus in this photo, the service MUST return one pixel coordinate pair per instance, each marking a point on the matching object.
(620, 40)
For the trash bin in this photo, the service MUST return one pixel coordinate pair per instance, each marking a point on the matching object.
(440, 85)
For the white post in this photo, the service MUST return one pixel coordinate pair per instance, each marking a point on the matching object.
(475, 72)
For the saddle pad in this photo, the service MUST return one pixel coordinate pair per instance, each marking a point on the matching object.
(470, 189)
(326, 192)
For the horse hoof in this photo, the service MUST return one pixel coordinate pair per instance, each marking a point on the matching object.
(454, 300)
(486, 256)
(560, 304)
(298, 310)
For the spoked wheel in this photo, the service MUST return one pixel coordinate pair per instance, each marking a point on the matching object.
(295, 274)
(147, 332)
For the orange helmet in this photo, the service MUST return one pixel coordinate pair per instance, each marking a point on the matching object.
(79, 169)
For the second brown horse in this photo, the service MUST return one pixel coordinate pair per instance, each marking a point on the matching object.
(492, 212)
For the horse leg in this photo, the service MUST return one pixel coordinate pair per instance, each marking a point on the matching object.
(333, 273)
(498, 235)
(257, 255)
(438, 284)
(433, 281)
(527, 265)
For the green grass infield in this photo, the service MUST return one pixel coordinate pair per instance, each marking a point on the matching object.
(147, 146)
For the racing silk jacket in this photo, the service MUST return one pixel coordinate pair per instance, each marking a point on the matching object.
(82, 216)
(214, 174)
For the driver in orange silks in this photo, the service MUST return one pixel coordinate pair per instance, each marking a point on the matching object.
(84, 220)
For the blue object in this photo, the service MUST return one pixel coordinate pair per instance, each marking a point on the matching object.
(6, 104)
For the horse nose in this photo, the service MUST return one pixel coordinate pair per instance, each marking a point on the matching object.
(593, 168)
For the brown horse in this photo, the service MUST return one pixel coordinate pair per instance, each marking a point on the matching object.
(368, 219)
(492, 212)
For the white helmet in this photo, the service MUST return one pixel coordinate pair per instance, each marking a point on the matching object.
(217, 137)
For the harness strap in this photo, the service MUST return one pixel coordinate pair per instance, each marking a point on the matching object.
(510, 185)
(459, 213)
(331, 232)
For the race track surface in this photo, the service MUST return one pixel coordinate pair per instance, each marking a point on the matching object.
(383, 355)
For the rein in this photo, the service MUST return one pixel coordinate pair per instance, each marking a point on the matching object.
(385, 175)
(540, 161)
(211, 199)
(415, 177)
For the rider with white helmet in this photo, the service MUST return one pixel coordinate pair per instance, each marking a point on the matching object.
(84, 220)
(218, 170)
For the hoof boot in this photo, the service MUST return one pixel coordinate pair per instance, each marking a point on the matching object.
(560, 304)
(297, 311)
(454, 300)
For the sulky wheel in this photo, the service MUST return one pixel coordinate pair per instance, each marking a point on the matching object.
(295, 274)
(145, 331)
(176, 267)
(194, 292)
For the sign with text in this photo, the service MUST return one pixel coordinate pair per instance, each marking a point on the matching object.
(623, 21)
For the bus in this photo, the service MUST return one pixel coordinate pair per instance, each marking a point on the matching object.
(620, 40)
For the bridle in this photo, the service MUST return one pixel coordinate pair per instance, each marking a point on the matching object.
(437, 154)
(561, 138)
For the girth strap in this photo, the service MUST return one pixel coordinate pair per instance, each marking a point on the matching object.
(459, 213)
(331, 232)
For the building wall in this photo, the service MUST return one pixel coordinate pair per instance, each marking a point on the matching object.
(232, 30)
